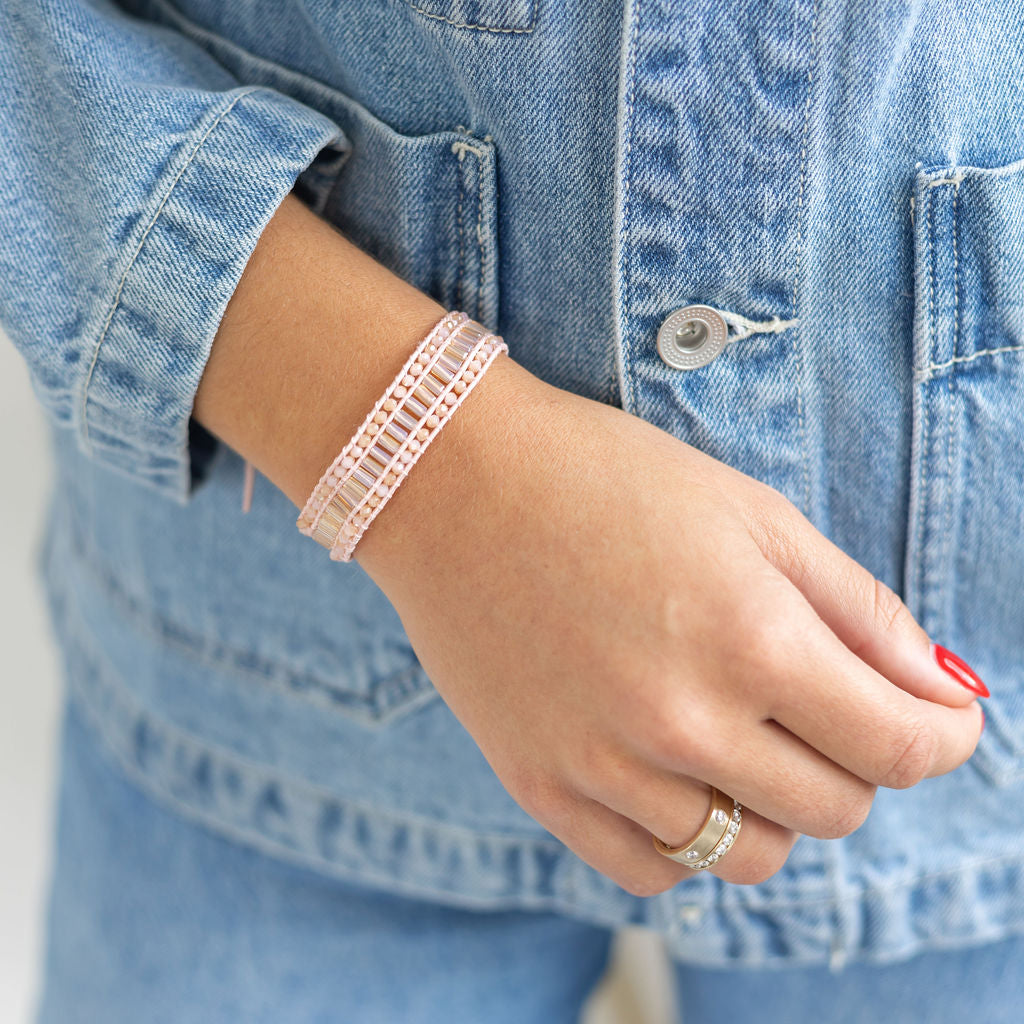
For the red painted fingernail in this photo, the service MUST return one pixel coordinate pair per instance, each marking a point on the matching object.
(956, 667)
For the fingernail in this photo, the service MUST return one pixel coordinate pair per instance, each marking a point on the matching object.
(955, 666)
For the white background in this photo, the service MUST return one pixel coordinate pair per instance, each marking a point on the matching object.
(635, 991)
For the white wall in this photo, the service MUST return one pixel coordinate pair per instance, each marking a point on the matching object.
(635, 992)
(28, 689)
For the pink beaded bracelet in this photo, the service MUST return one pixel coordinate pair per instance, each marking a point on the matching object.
(341, 467)
(434, 381)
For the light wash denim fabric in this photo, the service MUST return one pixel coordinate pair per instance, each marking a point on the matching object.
(156, 919)
(845, 178)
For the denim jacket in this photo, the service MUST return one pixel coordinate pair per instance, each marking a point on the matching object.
(843, 180)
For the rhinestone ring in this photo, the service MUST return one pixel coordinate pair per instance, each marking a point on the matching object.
(715, 838)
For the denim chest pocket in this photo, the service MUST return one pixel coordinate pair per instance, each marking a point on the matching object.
(964, 576)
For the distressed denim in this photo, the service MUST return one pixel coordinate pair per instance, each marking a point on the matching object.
(844, 179)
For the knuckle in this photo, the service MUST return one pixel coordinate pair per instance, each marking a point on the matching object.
(848, 815)
(770, 526)
(539, 795)
(677, 739)
(914, 754)
(890, 613)
(650, 884)
(767, 626)
(758, 857)
(759, 866)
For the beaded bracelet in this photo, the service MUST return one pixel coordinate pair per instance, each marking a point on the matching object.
(434, 381)
(390, 424)
(362, 514)
(340, 468)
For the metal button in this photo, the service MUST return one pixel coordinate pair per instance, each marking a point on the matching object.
(692, 337)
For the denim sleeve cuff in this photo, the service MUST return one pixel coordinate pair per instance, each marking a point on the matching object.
(183, 262)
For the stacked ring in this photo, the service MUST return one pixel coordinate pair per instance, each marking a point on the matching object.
(714, 839)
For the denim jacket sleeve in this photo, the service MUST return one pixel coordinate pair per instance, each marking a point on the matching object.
(136, 176)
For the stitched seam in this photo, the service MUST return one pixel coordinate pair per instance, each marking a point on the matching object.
(626, 264)
(970, 359)
(460, 146)
(460, 291)
(153, 786)
(278, 674)
(518, 30)
(953, 180)
(933, 341)
(258, 768)
(131, 263)
(797, 347)
(926, 413)
(950, 438)
(880, 890)
(263, 771)
(316, 860)
(482, 249)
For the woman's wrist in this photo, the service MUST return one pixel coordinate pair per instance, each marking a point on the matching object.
(313, 333)
(427, 515)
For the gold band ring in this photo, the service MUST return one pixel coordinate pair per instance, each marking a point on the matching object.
(715, 837)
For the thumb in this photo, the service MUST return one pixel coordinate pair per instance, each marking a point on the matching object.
(862, 611)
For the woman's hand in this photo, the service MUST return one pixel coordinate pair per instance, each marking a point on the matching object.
(620, 620)
(616, 618)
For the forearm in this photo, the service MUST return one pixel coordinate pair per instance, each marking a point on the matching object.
(314, 333)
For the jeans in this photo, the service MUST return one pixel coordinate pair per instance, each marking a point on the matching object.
(154, 918)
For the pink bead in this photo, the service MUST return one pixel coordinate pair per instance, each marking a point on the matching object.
(372, 428)
(348, 462)
(450, 399)
(414, 445)
(366, 441)
(405, 457)
(380, 417)
(468, 375)
(408, 380)
(390, 405)
(422, 434)
(400, 392)
(459, 386)
(356, 450)
(391, 479)
(382, 490)
(432, 420)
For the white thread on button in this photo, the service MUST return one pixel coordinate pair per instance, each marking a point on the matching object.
(743, 328)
